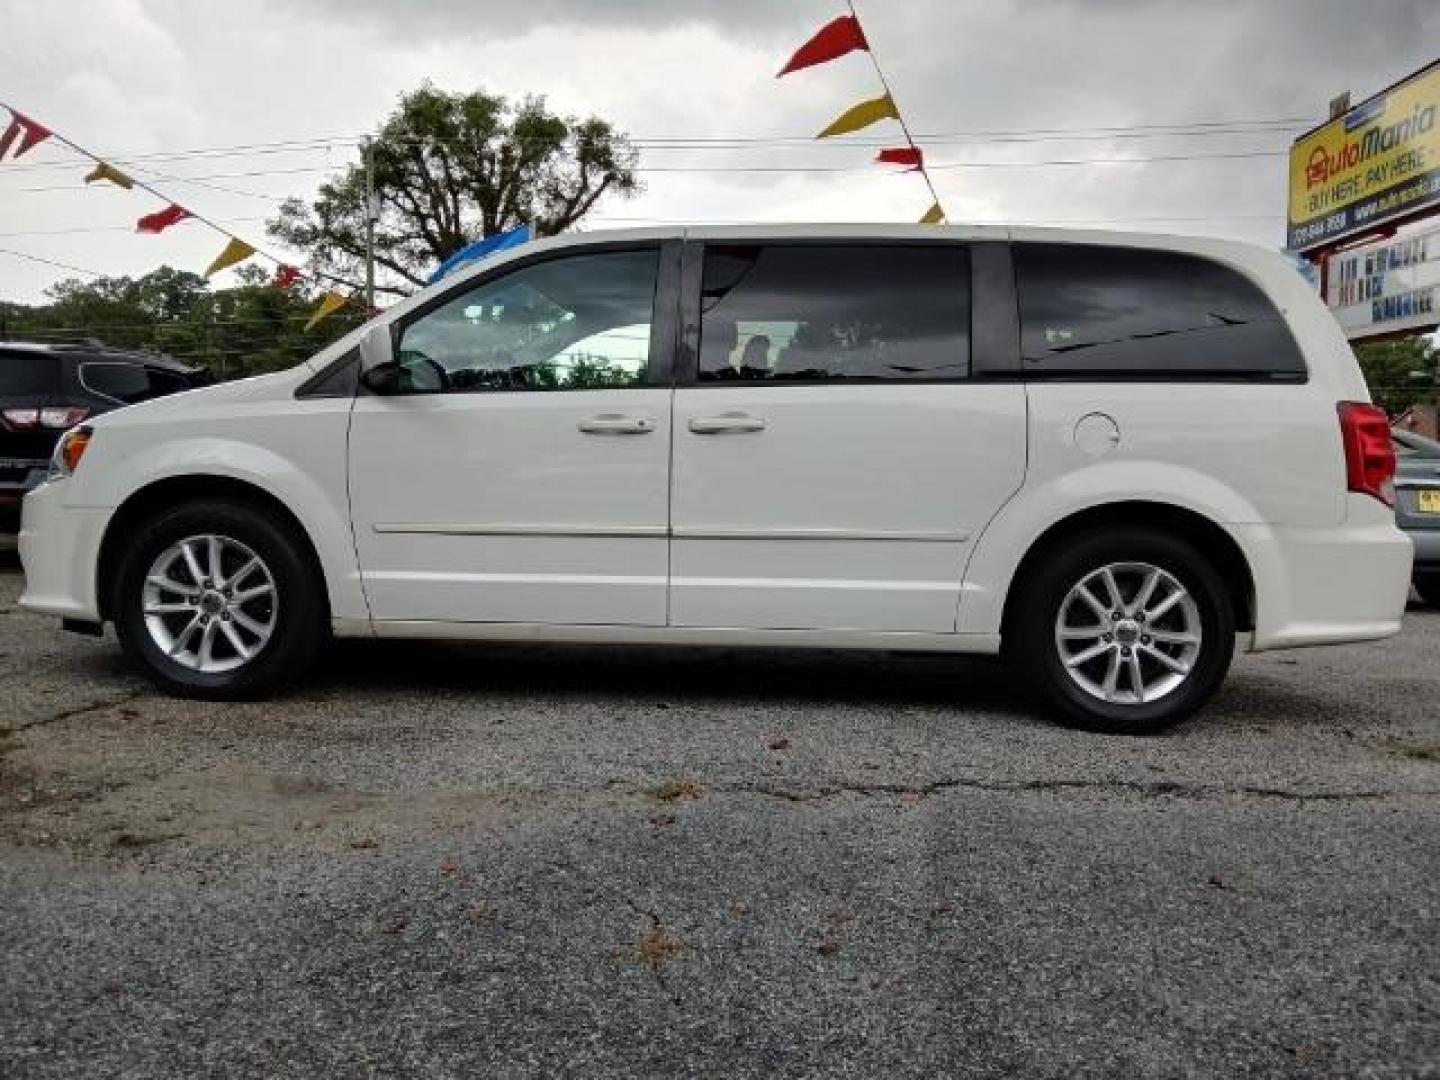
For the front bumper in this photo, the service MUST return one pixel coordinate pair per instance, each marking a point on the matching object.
(1326, 586)
(59, 552)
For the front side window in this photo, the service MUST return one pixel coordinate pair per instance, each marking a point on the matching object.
(576, 323)
(831, 313)
(1111, 310)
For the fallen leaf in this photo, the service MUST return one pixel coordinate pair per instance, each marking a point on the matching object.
(661, 820)
(656, 947)
(678, 789)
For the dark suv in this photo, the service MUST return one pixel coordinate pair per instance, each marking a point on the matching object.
(46, 389)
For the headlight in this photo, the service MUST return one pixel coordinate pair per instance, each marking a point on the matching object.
(69, 450)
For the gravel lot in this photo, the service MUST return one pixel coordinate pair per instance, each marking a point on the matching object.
(511, 861)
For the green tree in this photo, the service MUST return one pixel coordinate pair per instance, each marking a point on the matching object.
(1401, 372)
(449, 169)
(244, 330)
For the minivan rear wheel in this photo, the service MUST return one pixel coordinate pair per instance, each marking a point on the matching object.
(216, 599)
(1127, 632)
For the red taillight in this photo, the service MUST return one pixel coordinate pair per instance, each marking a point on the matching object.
(59, 418)
(21, 419)
(62, 418)
(1369, 453)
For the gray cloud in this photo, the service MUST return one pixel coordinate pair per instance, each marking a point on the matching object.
(146, 75)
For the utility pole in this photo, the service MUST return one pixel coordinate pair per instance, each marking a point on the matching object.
(369, 227)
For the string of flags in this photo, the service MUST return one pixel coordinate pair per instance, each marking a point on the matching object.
(840, 37)
(24, 133)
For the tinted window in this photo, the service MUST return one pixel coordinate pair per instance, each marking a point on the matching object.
(575, 323)
(26, 374)
(121, 381)
(822, 313)
(1124, 310)
(167, 382)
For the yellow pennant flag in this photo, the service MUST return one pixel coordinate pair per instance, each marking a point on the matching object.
(236, 251)
(934, 216)
(105, 171)
(861, 116)
(330, 303)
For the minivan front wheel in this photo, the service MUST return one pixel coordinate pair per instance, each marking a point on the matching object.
(215, 599)
(1127, 632)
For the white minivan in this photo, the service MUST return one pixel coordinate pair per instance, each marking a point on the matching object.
(1104, 455)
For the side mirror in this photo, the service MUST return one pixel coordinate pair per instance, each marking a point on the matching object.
(379, 372)
(382, 378)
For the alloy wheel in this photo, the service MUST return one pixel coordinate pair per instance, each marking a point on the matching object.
(1128, 633)
(210, 603)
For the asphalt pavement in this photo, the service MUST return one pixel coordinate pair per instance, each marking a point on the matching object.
(494, 861)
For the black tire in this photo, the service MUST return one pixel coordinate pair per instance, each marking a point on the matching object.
(1428, 586)
(1048, 584)
(300, 611)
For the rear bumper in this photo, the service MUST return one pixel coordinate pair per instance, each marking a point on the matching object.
(1326, 586)
(1427, 549)
(59, 551)
(13, 492)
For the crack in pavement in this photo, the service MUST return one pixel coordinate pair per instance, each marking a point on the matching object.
(654, 963)
(79, 710)
(1153, 789)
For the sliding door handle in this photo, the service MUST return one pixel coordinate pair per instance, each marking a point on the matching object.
(731, 423)
(616, 424)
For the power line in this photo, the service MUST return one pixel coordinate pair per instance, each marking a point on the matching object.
(50, 262)
(1035, 163)
(1201, 128)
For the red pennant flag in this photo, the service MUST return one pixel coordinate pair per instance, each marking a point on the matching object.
(285, 276)
(833, 40)
(902, 155)
(26, 130)
(161, 220)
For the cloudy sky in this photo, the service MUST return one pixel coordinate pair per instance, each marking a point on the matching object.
(1013, 93)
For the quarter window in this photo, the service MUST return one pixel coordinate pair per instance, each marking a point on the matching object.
(828, 313)
(1111, 310)
(575, 323)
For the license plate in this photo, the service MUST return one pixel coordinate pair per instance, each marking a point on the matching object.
(1427, 500)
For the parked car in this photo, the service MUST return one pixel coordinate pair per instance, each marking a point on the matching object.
(1417, 507)
(1102, 454)
(47, 389)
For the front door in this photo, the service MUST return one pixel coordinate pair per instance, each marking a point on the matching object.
(834, 460)
(521, 473)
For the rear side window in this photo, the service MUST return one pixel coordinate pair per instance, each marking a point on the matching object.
(26, 374)
(167, 382)
(129, 382)
(830, 313)
(1089, 310)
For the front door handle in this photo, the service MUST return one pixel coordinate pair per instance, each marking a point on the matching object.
(616, 424)
(730, 423)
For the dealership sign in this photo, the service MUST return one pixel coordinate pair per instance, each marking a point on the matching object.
(1378, 162)
(1386, 287)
